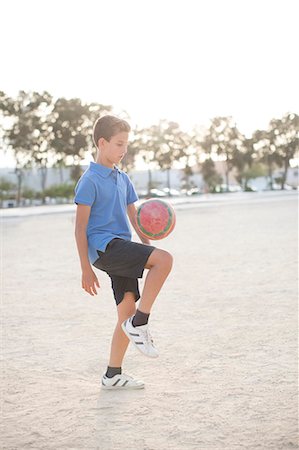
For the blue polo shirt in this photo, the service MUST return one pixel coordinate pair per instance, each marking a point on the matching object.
(108, 192)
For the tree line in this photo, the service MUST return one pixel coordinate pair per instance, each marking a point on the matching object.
(44, 132)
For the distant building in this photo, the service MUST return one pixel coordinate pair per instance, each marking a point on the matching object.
(32, 177)
(55, 176)
(140, 179)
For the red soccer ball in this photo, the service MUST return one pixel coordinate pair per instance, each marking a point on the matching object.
(155, 219)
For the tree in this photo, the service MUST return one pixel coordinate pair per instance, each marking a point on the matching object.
(71, 125)
(285, 137)
(187, 173)
(68, 123)
(27, 134)
(144, 144)
(243, 160)
(255, 170)
(7, 189)
(169, 144)
(265, 148)
(94, 111)
(128, 163)
(76, 172)
(6, 112)
(210, 176)
(187, 157)
(224, 140)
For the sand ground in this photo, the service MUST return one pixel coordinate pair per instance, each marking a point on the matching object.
(225, 324)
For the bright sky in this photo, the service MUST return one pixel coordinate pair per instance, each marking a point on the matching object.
(182, 60)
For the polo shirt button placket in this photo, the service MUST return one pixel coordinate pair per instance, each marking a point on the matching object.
(114, 175)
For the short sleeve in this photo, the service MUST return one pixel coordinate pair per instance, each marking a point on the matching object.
(85, 192)
(131, 193)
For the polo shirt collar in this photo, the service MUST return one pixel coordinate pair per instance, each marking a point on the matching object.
(102, 170)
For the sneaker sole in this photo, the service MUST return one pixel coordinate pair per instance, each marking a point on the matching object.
(121, 388)
(135, 345)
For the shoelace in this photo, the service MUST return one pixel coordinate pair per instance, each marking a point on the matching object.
(148, 338)
(127, 377)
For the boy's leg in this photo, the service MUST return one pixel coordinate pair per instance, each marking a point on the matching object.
(119, 344)
(114, 378)
(159, 264)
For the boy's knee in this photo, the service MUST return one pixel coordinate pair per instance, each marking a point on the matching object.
(124, 315)
(166, 259)
(160, 258)
(127, 307)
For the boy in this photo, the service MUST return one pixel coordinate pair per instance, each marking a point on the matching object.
(105, 199)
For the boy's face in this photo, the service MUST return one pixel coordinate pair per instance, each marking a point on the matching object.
(113, 151)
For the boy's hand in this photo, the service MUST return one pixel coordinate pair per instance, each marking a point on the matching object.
(90, 281)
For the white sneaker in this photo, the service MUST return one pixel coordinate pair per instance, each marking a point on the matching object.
(140, 337)
(121, 381)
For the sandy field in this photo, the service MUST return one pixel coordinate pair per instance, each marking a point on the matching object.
(225, 325)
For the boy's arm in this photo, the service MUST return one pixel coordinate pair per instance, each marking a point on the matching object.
(132, 213)
(89, 278)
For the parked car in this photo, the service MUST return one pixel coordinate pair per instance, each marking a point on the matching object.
(153, 193)
(194, 191)
(171, 192)
(157, 193)
(231, 188)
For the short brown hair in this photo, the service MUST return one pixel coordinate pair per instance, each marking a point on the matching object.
(108, 126)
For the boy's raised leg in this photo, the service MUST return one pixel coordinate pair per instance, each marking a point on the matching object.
(159, 264)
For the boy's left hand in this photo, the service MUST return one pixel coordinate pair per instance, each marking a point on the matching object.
(90, 281)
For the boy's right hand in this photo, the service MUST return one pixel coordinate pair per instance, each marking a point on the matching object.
(90, 281)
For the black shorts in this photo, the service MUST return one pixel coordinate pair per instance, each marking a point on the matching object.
(124, 262)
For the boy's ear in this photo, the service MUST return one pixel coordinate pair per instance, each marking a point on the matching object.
(100, 143)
